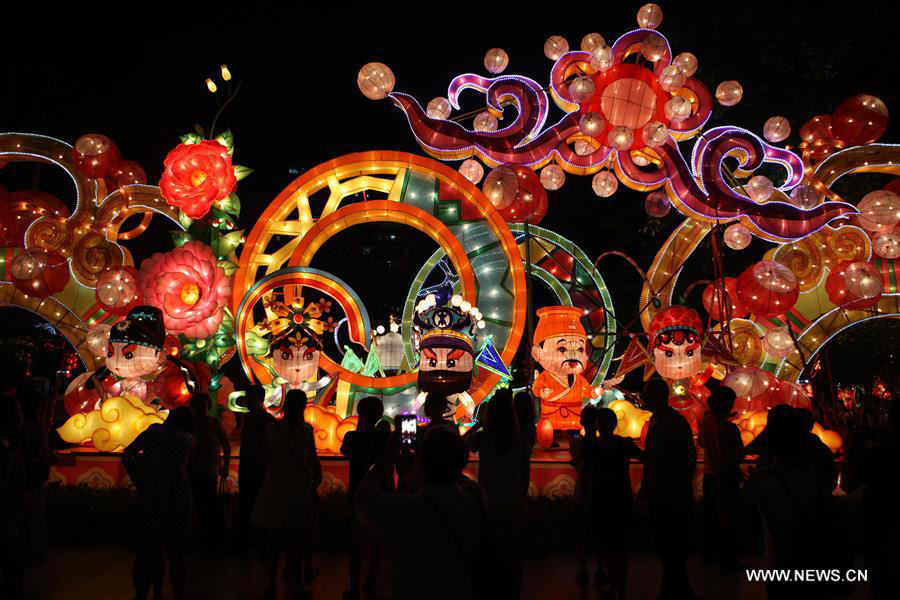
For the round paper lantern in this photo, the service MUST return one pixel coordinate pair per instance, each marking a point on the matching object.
(79, 397)
(581, 89)
(583, 147)
(97, 339)
(604, 184)
(687, 62)
(678, 108)
(657, 204)
(729, 93)
(655, 134)
(601, 57)
(860, 120)
(620, 137)
(496, 60)
(639, 159)
(879, 211)
(768, 288)
(555, 46)
(552, 177)
(778, 342)
(530, 202)
(886, 245)
(501, 186)
(737, 236)
(375, 80)
(95, 155)
(653, 47)
(591, 41)
(649, 16)
(776, 129)
(794, 394)
(591, 124)
(438, 108)
(39, 273)
(805, 197)
(755, 388)
(128, 172)
(118, 290)
(759, 188)
(671, 78)
(485, 121)
(472, 170)
(854, 285)
(817, 131)
(712, 295)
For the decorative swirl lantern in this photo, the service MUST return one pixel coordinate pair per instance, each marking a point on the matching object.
(767, 288)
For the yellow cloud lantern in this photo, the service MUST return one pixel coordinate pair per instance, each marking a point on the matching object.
(631, 418)
(116, 424)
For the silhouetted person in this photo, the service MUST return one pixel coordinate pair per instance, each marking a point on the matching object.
(500, 449)
(759, 446)
(35, 453)
(431, 535)
(723, 451)
(820, 455)
(578, 449)
(524, 405)
(285, 503)
(435, 409)
(409, 468)
(363, 448)
(13, 498)
(210, 461)
(157, 462)
(670, 459)
(251, 469)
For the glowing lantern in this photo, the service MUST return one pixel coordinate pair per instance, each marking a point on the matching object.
(757, 388)
(501, 186)
(776, 129)
(196, 176)
(655, 134)
(591, 41)
(472, 170)
(657, 205)
(678, 108)
(879, 211)
(711, 296)
(737, 236)
(389, 348)
(375, 80)
(759, 188)
(591, 123)
(887, 245)
(39, 273)
(555, 46)
(649, 16)
(485, 121)
(97, 339)
(854, 285)
(604, 184)
(805, 197)
(128, 172)
(95, 155)
(631, 419)
(583, 147)
(793, 394)
(601, 57)
(671, 78)
(581, 89)
(653, 47)
(687, 62)
(778, 342)
(620, 137)
(729, 93)
(496, 60)
(438, 108)
(768, 288)
(860, 120)
(530, 203)
(117, 290)
(675, 337)
(112, 427)
(552, 177)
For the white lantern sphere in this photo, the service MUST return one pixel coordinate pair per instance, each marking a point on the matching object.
(456, 300)
(496, 60)
(485, 121)
(581, 89)
(438, 108)
(887, 245)
(687, 62)
(555, 46)
(671, 78)
(583, 147)
(472, 170)
(729, 93)
(591, 124)
(501, 187)
(465, 306)
(97, 338)
(759, 188)
(804, 196)
(620, 138)
(375, 80)
(380, 330)
(776, 129)
(879, 211)
(655, 134)
(604, 184)
(649, 16)
(653, 47)
(552, 177)
(778, 342)
(601, 57)
(678, 108)
(591, 41)
(737, 236)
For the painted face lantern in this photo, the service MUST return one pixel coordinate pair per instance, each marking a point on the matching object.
(445, 337)
(135, 344)
(675, 337)
(295, 346)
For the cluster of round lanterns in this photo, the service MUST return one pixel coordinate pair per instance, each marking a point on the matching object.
(97, 156)
(39, 273)
(859, 120)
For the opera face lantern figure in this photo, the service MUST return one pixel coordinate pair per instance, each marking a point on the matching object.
(296, 359)
(294, 340)
(135, 351)
(675, 336)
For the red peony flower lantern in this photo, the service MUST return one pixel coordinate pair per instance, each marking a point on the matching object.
(854, 285)
(39, 273)
(530, 201)
(711, 299)
(118, 290)
(860, 120)
(196, 176)
(95, 155)
(767, 288)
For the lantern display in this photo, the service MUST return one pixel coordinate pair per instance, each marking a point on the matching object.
(631, 419)
(755, 388)
(678, 108)
(778, 342)
(294, 334)
(583, 147)
(675, 337)
(653, 47)
(620, 138)
(879, 211)
(485, 121)
(388, 345)
(438, 108)
(860, 120)
(601, 57)
(759, 188)
(591, 41)
(97, 339)
(118, 290)
(581, 89)
(649, 16)
(552, 177)
(496, 60)
(657, 205)
(375, 80)
(95, 155)
(854, 285)
(655, 134)
(128, 172)
(886, 245)
(591, 123)
(729, 93)
(135, 344)
(555, 46)
(472, 170)
(795, 395)
(711, 299)
(530, 201)
(737, 236)
(501, 186)
(776, 129)
(38, 273)
(671, 78)
(196, 176)
(604, 184)
(687, 62)
(767, 288)
(111, 427)
(805, 197)
(80, 395)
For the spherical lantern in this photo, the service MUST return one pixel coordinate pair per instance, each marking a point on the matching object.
(555, 46)
(671, 78)
(604, 184)
(860, 120)
(854, 285)
(678, 108)
(687, 62)
(97, 339)
(755, 389)
(95, 155)
(794, 395)
(778, 342)
(375, 80)
(768, 288)
(737, 236)
(501, 186)
(620, 138)
(128, 172)
(39, 273)
(581, 89)
(601, 57)
(496, 60)
(729, 93)
(591, 41)
(653, 47)
(879, 211)
(472, 170)
(886, 245)
(530, 202)
(759, 188)
(552, 177)
(712, 296)
(776, 129)
(805, 197)
(583, 147)
(438, 108)
(485, 121)
(118, 290)
(649, 16)
(591, 124)
(655, 134)
(817, 131)
(657, 205)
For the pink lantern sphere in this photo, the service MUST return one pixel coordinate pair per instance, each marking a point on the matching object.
(118, 290)
(472, 170)
(496, 60)
(583, 147)
(756, 389)
(759, 188)
(655, 134)
(879, 211)
(601, 57)
(485, 121)
(591, 124)
(768, 288)
(729, 93)
(620, 138)
(555, 46)
(737, 236)
(778, 342)
(678, 108)
(438, 108)
(552, 177)
(671, 78)
(649, 16)
(863, 280)
(375, 80)
(501, 187)
(653, 47)
(776, 129)
(97, 339)
(591, 41)
(687, 62)
(886, 245)
(605, 184)
(581, 89)
(805, 197)
(657, 204)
